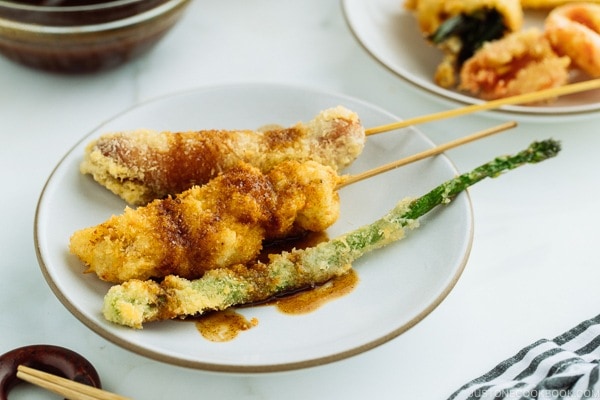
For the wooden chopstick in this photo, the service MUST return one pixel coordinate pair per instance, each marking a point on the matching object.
(519, 99)
(427, 153)
(64, 387)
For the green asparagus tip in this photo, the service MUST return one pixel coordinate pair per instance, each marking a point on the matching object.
(535, 153)
(540, 151)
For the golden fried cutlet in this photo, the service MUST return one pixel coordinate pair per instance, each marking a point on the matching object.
(144, 165)
(212, 226)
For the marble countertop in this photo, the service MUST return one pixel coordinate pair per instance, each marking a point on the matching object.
(532, 271)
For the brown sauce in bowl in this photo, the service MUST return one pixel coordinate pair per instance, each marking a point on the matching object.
(61, 3)
(104, 34)
(74, 12)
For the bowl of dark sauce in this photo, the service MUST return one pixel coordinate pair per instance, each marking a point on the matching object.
(83, 36)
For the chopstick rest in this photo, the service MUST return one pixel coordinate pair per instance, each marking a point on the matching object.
(53, 359)
(564, 367)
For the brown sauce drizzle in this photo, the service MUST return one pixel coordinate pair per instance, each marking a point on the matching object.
(301, 241)
(224, 326)
(308, 301)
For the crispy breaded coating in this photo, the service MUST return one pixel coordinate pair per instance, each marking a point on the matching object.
(548, 4)
(136, 302)
(521, 62)
(574, 31)
(431, 14)
(212, 226)
(459, 27)
(144, 165)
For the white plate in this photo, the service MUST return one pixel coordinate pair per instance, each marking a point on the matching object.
(398, 285)
(391, 35)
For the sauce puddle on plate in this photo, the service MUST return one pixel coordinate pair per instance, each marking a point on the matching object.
(307, 301)
(224, 326)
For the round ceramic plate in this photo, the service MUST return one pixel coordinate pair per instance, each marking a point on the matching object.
(398, 285)
(391, 35)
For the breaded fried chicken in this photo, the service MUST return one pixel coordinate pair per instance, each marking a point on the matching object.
(212, 226)
(144, 165)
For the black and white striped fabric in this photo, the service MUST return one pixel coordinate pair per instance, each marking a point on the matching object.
(563, 368)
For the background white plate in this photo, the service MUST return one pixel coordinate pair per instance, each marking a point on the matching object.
(391, 35)
(398, 285)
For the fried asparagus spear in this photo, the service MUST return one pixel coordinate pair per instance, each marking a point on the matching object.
(136, 302)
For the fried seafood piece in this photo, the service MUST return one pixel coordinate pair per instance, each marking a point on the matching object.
(574, 31)
(519, 63)
(221, 223)
(549, 4)
(431, 14)
(460, 27)
(144, 165)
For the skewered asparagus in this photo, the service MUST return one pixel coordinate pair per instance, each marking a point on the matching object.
(135, 302)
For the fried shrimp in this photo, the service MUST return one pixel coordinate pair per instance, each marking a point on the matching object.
(219, 224)
(521, 62)
(574, 31)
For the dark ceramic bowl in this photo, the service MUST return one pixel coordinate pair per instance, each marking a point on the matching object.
(79, 36)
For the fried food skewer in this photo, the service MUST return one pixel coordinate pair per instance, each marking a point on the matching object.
(490, 105)
(224, 222)
(141, 166)
(348, 180)
(144, 165)
(136, 302)
(221, 223)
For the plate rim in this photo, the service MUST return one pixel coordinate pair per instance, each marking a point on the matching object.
(241, 368)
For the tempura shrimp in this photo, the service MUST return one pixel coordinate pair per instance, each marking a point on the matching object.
(521, 62)
(574, 31)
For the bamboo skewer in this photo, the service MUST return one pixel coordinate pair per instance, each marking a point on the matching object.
(65, 387)
(350, 179)
(519, 99)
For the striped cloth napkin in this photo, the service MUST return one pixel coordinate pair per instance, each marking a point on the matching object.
(565, 367)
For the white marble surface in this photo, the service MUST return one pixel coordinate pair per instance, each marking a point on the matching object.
(533, 269)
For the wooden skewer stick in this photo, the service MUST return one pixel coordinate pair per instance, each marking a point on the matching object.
(519, 99)
(347, 180)
(64, 387)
